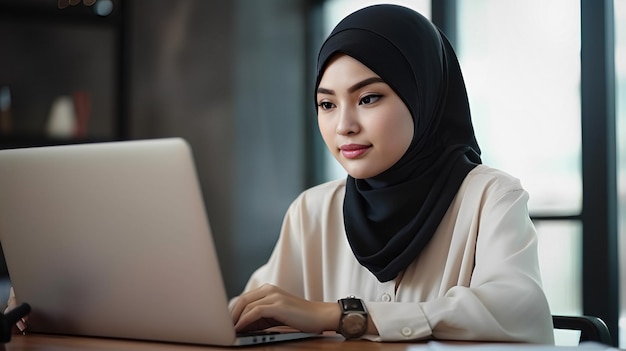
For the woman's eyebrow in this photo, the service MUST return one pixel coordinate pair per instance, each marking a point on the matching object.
(365, 82)
(321, 90)
(353, 88)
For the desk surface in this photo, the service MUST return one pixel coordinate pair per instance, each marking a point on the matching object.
(35, 342)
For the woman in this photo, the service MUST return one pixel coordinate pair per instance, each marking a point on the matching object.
(421, 240)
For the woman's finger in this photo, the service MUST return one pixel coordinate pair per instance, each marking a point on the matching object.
(11, 304)
(258, 310)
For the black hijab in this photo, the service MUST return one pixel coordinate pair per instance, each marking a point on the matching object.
(391, 217)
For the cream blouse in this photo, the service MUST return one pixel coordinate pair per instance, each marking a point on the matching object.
(477, 279)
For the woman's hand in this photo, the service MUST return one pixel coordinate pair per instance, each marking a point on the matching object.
(269, 306)
(11, 304)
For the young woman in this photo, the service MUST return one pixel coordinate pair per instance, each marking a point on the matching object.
(421, 240)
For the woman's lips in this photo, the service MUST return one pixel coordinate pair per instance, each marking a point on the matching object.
(353, 150)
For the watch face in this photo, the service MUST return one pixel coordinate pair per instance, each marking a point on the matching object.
(353, 325)
(353, 322)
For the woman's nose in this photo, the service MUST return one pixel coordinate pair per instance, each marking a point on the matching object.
(347, 123)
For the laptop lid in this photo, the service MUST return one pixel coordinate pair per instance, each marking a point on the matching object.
(112, 240)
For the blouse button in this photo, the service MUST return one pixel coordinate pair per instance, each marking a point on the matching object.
(406, 331)
(386, 298)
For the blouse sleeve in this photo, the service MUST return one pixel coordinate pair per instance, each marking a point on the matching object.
(504, 300)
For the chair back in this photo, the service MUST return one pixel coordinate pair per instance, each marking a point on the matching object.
(591, 328)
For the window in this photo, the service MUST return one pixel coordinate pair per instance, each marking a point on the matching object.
(521, 61)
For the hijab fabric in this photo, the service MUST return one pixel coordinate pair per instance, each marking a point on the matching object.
(390, 218)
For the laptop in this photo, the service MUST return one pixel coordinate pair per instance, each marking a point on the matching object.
(112, 240)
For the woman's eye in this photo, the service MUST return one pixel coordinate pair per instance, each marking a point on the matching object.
(325, 105)
(369, 99)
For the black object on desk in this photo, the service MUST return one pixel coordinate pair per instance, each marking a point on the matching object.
(8, 320)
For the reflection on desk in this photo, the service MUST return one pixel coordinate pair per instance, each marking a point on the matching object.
(35, 342)
(32, 342)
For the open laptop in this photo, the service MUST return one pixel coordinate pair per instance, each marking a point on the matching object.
(112, 240)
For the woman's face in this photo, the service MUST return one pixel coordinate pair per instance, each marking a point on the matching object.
(364, 123)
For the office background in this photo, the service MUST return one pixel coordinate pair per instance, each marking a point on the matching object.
(234, 79)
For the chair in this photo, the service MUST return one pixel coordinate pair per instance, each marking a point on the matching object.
(591, 328)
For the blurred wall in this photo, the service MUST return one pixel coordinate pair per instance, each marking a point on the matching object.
(230, 78)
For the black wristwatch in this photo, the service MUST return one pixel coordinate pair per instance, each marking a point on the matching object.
(353, 322)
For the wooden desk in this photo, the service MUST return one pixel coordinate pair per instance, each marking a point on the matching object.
(34, 342)
(328, 342)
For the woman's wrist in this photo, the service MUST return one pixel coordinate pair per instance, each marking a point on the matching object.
(330, 314)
